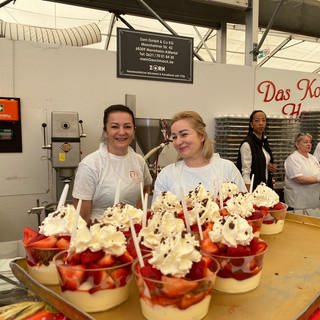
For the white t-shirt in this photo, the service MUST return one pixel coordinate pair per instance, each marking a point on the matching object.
(98, 175)
(178, 178)
(297, 195)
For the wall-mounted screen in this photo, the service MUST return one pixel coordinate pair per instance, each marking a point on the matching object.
(10, 125)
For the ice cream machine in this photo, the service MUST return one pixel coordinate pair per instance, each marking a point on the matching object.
(66, 132)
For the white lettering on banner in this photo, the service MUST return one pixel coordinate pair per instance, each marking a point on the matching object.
(291, 100)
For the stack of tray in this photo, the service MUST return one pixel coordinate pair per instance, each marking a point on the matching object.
(281, 131)
(310, 123)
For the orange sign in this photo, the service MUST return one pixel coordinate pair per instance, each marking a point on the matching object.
(9, 110)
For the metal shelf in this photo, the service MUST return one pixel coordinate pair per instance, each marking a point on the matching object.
(231, 130)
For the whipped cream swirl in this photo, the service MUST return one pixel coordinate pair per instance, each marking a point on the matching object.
(99, 237)
(241, 204)
(118, 216)
(265, 196)
(231, 230)
(161, 225)
(166, 201)
(201, 199)
(228, 190)
(175, 255)
(60, 222)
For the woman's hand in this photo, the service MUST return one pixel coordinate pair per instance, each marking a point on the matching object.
(272, 167)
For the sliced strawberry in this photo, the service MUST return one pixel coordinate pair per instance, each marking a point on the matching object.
(126, 257)
(223, 212)
(174, 287)
(89, 257)
(208, 246)
(257, 245)
(207, 229)
(189, 300)
(74, 258)
(63, 243)
(239, 251)
(101, 279)
(198, 270)
(72, 276)
(120, 276)
(255, 215)
(149, 272)
(47, 242)
(131, 248)
(106, 261)
(278, 206)
(28, 235)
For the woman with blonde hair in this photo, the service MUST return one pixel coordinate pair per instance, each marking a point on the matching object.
(197, 162)
(302, 179)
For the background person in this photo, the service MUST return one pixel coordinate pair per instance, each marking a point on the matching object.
(302, 187)
(317, 152)
(255, 155)
(197, 163)
(115, 161)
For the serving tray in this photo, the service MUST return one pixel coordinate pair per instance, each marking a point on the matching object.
(289, 287)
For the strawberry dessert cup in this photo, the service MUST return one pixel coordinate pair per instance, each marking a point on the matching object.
(95, 273)
(268, 202)
(238, 252)
(242, 204)
(91, 287)
(176, 282)
(41, 246)
(40, 250)
(274, 218)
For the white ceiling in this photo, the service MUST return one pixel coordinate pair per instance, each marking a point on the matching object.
(300, 53)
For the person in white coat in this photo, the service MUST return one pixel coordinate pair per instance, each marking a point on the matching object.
(114, 168)
(317, 152)
(197, 161)
(302, 176)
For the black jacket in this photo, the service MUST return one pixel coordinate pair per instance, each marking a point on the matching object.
(258, 164)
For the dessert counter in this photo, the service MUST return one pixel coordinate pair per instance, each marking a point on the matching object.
(289, 288)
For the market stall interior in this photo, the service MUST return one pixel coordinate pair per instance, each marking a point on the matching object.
(285, 35)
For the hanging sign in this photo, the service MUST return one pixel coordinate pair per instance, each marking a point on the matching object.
(154, 56)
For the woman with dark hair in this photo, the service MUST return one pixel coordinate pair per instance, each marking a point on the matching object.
(302, 180)
(115, 166)
(197, 162)
(255, 155)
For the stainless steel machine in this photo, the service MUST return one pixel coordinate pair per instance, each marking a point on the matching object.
(66, 132)
(152, 136)
(65, 147)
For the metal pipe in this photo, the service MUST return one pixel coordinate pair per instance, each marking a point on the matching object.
(111, 25)
(124, 21)
(6, 2)
(164, 24)
(255, 51)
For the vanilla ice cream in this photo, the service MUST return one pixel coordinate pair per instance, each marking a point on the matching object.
(47, 275)
(98, 301)
(158, 312)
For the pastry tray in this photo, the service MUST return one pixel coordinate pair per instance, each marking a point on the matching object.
(289, 287)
